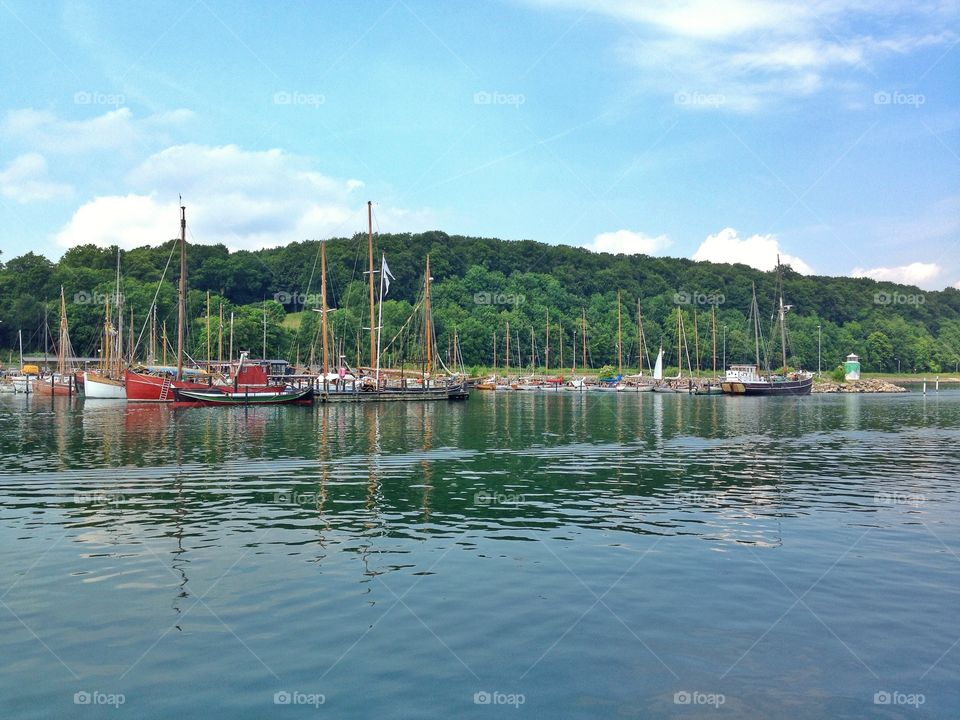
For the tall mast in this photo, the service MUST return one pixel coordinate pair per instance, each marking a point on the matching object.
(163, 342)
(220, 340)
(584, 344)
(619, 338)
(264, 329)
(494, 353)
(230, 358)
(427, 319)
(209, 357)
(373, 338)
(62, 354)
(713, 334)
(756, 325)
(507, 366)
(783, 318)
(105, 355)
(182, 292)
(119, 306)
(323, 307)
(640, 342)
(573, 365)
(153, 334)
(130, 331)
(546, 351)
(561, 347)
(696, 340)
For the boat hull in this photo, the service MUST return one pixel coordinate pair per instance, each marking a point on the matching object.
(98, 387)
(786, 387)
(456, 392)
(260, 397)
(141, 387)
(60, 387)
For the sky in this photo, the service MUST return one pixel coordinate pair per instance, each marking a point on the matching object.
(827, 131)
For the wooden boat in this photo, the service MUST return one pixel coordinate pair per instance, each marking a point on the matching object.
(221, 396)
(747, 379)
(63, 382)
(146, 386)
(97, 386)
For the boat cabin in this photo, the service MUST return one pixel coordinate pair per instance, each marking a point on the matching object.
(742, 373)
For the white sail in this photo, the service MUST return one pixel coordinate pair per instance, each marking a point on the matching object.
(658, 368)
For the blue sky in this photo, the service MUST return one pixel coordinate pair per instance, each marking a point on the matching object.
(725, 130)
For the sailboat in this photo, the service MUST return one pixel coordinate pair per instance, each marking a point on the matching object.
(147, 386)
(434, 381)
(107, 384)
(674, 384)
(63, 381)
(748, 380)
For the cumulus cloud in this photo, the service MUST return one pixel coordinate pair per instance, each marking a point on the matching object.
(916, 273)
(44, 131)
(24, 179)
(757, 251)
(241, 198)
(628, 242)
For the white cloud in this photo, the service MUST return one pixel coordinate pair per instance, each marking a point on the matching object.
(24, 179)
(628, 242)
(957, 284)
(44, 131)
(916, 273)
(753, 52)
(243, 199)
(757, 251)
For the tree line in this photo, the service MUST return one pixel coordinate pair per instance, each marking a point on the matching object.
(479, 285)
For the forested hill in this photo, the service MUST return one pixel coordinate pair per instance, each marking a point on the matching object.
(479, 285)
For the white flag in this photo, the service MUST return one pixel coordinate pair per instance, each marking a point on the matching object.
(387, 275)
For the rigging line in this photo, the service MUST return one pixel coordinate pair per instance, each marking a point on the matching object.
(153, 303)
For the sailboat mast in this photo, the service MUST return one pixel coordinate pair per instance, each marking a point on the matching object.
(696, 340)
(546, 351)
(427, 321)
(494, 352)
(584, 344)
(756, 326)
(323, 307)
(561, 348)
(373, 337)
(713, 334)
(105, 355)
(640, 334)
(783, 317)
(619, 337)
(220, 340)
(182, 291)
(209, 357)
(61, 355)
(507, 366)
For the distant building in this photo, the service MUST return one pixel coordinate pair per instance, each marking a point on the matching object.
(851, 367)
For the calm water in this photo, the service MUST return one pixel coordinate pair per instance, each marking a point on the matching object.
(560, 556)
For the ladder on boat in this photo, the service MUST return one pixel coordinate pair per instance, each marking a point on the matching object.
(165, 390)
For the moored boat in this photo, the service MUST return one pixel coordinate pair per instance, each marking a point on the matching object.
(223, 396)
(97, 386)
